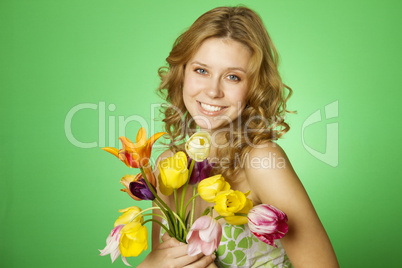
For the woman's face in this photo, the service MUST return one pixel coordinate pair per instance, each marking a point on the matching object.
(215, 82)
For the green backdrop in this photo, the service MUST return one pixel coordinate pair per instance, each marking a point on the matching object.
(75, 72)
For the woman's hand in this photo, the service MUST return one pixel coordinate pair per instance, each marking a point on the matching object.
(172, 253)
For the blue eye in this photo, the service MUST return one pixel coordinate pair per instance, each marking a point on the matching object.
(200, 71)
(233, 77)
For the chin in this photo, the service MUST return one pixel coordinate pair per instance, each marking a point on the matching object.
(212, 126)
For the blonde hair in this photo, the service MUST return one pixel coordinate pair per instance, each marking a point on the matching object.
(266, 99)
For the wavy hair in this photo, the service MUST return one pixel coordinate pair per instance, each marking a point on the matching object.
(263, 117)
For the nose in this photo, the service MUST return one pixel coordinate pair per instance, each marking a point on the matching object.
(214, 89)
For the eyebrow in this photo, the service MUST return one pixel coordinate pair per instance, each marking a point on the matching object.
(230, 68)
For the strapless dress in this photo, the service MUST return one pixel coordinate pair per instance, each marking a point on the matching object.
(240, 248)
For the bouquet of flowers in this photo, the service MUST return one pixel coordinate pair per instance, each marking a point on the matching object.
(129, 237)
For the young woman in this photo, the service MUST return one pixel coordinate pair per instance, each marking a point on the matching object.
(223, 78)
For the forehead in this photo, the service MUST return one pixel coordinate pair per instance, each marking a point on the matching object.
(222, 53)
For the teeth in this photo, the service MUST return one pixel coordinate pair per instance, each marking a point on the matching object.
(210, 108)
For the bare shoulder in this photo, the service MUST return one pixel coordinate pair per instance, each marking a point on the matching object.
(270, 173)
(273, 180)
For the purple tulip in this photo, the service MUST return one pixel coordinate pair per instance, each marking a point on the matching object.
(267, 223)
(141, 190)
(201, 170)
(204, 236)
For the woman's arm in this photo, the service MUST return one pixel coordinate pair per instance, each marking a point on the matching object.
(274, 181)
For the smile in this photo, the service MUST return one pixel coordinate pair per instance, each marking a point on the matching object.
(211, 108)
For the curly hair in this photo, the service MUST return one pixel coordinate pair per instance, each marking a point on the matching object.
(265, 110)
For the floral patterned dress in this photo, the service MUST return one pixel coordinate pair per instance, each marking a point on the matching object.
(240, 248)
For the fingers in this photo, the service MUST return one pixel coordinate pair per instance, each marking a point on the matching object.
(169, 242)
(165, 237)
(212, 265)
(203, 262)
(173, 249)
(187, 261)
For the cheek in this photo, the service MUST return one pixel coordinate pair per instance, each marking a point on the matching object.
(240, 95)
(190, 87)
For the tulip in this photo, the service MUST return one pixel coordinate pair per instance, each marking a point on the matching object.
(173, 173)
(238, 219)
(201, 170)
(135, 155)
(128, 216)
(230, 203)
(134, 239)
(267, 223)
(112, 245)
(210, 187)
(137, 188)
(198, 146)
(204, 236)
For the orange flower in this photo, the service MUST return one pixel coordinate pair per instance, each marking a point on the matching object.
(135, 155)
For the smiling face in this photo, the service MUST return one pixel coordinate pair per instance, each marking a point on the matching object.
(215, 82)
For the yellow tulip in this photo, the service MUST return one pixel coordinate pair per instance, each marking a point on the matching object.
(198, 146)
(229, 203)
(173, 173)
(133, 240)
(238, 220)
(128, 215)
(210, 187)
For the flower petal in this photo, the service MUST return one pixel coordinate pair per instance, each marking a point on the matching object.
(126, 143)
(125, 261)
(111, 150)
(194, 247)
(207, 248)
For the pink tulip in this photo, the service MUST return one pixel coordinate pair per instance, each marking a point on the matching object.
(112, 245)
(204, 236)
(267, 223)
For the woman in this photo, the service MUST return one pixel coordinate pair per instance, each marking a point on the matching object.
(223, 78)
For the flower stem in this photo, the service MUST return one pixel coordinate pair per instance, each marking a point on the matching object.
(193, 206)
(152, 189)
(145, 210)
(191, 199)
(169, 217)
(154, 214)
(165, 208)
(158, 222)
(206, 211)
(181, 222)
(176, 200)
(183, 194)
(219, 217)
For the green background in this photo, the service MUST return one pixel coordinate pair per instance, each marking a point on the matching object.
(58, 201)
